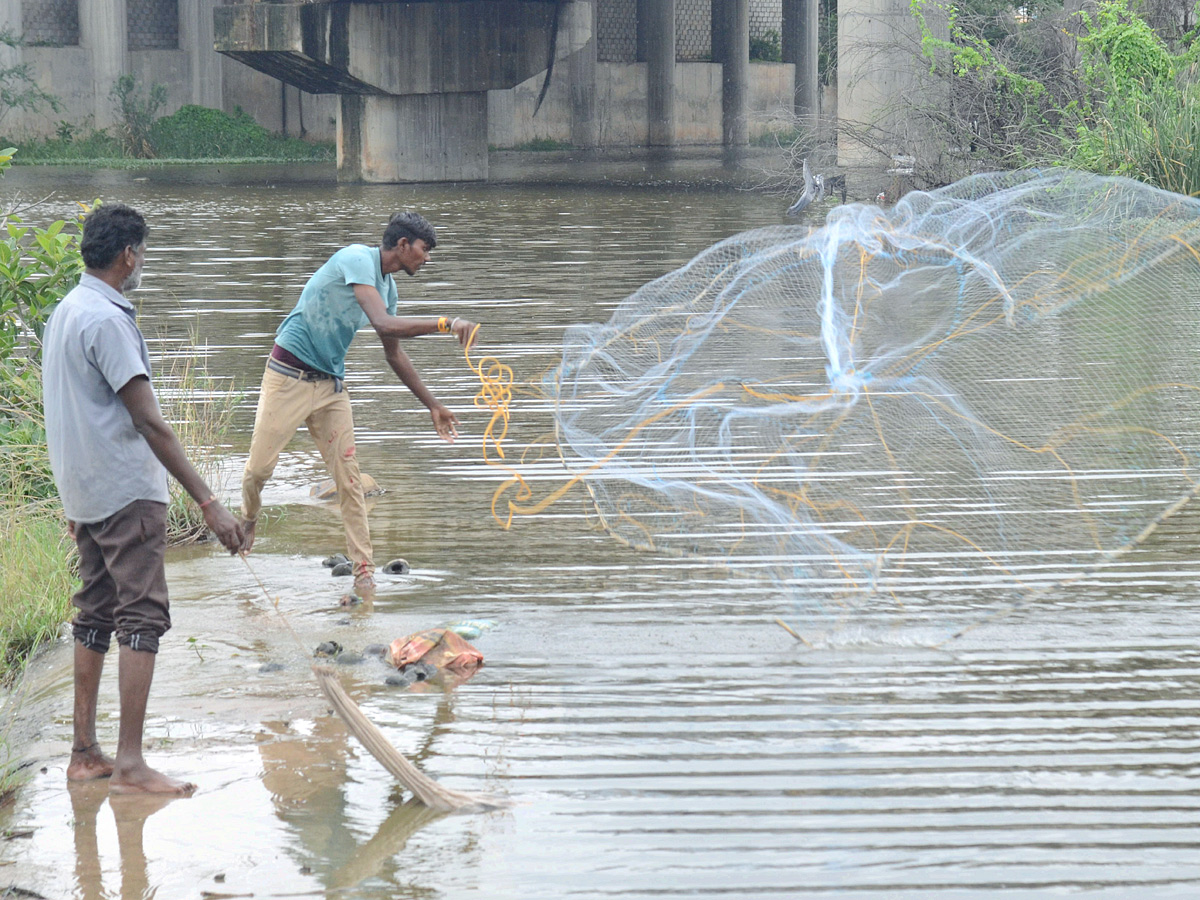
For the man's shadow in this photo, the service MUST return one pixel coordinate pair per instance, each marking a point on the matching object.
(130, 812)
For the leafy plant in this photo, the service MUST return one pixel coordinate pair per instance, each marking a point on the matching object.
(18, 88)
(37, 268)
(1121, 52)
(198, 132)
(136, 113)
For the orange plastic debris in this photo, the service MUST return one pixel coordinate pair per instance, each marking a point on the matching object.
(438, 647)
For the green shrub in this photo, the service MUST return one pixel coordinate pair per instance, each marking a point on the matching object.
(197, 132)
(543, 144)
(37, 268)
(136, 114)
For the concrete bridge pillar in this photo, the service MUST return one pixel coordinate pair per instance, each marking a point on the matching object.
(416, 137)
(581, 76)
(104, 29)
(656, 31)
(800, 47)
(881, 81)
(731, 48)
(196, 35)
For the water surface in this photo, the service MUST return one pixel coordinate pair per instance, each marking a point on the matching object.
(656, 733)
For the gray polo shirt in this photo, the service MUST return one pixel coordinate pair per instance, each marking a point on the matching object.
(91, 349)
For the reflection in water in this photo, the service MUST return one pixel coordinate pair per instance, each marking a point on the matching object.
(380, 856)
(130, 812)
(305, 769)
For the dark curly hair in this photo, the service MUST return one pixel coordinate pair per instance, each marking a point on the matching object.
(409, 225)
(108, 230)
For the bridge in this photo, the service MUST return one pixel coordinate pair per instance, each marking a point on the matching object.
(412, 77)
(414, 91)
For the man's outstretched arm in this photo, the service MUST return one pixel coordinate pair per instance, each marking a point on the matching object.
(387, 325)
(138, 397)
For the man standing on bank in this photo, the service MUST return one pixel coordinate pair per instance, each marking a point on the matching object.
(303, 379)
(110, 451)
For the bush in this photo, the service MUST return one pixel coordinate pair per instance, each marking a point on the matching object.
(197, 132)
(37, 268)
(72, 145)
(1151, 135)
(136, 114)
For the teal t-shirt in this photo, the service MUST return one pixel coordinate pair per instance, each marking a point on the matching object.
(322, 325)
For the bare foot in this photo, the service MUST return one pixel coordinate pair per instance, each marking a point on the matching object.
(141, 779)
(89, 764)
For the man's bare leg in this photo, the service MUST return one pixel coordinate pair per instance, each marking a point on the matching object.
(87, 760)
(130, 773)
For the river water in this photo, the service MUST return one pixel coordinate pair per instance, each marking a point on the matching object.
(654, 732)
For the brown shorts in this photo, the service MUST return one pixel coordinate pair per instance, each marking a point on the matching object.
(124, 580)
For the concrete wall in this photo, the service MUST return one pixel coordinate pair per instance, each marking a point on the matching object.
(621, 105)
(82, 75)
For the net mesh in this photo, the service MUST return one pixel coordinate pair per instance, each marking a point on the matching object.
(992, 384)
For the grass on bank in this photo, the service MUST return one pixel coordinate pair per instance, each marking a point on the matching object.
(37, 578)
(200, 409)
(192, 134)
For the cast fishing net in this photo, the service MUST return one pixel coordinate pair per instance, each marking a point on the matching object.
(991, 385)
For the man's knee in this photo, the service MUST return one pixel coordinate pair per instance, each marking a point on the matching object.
(146, 642)
(91, 638)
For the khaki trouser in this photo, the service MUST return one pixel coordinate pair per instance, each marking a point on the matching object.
(283, 404)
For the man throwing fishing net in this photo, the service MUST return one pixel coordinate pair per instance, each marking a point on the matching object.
(303, 381)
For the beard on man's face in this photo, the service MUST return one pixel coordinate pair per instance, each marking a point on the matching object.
(133, 281)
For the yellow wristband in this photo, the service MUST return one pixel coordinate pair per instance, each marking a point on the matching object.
(443, 325)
